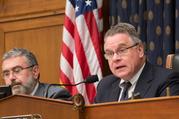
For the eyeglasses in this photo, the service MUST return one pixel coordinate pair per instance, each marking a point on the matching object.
(119, 52)
(15, 70)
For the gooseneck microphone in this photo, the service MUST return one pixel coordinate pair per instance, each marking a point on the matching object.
(89, 79)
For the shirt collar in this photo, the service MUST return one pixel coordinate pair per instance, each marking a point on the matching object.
(135, 78)
(35, 89)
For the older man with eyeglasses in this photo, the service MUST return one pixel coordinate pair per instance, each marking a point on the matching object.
(20, 70)
(132, 74)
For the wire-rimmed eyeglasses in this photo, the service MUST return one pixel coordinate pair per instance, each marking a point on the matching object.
(15, 70)
(120, 52)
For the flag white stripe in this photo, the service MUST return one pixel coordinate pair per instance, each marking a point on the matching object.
(67, 69)
(70, 12)
(87, 45)
(77, 73)
(68, 40)
(78, 77)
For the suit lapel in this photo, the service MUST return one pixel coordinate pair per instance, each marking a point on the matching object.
(115, 91)
(145, 80)
(40, 90)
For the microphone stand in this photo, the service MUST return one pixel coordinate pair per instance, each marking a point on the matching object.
(89, 79)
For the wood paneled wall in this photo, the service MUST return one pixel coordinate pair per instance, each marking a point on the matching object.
(36, 25)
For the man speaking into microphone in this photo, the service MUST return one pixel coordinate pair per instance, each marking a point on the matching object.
(21, 71)
(132, 73)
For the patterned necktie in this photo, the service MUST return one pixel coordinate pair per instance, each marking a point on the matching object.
(126, 86)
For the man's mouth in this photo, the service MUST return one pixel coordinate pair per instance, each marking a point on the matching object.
(15, 84)
(119, 67)
(15, 87)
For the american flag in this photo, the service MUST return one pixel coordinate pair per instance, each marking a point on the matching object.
(81, 46)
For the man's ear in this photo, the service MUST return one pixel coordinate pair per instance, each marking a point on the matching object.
(141, 50)
(36, 71)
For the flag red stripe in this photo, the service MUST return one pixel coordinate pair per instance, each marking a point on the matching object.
(69, 25)
(83, 64)
(91, 92)
(81, 41)
(100, 13)
(67, 54)
(93, 30)
(81, 54)
(65, 80)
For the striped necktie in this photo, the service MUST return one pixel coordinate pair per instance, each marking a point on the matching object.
(126, 86)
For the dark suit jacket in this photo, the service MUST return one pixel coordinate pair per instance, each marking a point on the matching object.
(51, 91)
(151, 83)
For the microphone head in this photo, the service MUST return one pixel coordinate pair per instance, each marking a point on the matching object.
(91, 79)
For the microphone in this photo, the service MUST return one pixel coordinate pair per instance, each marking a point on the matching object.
(5, 91)
(89, 79)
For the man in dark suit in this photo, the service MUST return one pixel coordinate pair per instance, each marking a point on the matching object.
(132, 74)
(20, 70)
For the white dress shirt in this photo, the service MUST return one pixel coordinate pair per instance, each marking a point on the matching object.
(133, 81)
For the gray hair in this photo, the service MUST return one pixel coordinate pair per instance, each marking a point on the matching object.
(21, 52)
(124, 28)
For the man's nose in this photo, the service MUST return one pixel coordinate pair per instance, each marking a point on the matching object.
(12, 77)
(116, 57)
